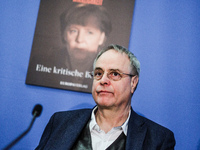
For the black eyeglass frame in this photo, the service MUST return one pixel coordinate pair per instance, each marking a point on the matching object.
(109, 73)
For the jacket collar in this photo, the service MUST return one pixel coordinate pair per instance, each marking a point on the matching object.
(136, 131)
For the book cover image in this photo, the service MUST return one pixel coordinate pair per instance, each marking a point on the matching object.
(68, 36)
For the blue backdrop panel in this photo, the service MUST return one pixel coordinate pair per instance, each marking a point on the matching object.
(165, 38)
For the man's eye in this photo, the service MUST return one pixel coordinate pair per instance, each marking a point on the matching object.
(97, 74)
(115, 74)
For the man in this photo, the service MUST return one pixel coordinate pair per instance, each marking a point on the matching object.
(112, 124)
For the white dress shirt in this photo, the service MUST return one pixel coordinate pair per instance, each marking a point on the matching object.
(102, 140)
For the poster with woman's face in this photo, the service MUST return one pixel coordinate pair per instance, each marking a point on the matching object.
(68, 36)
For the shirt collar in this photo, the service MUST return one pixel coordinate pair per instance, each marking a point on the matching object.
(93, 124)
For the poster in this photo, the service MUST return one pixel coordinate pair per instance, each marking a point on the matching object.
(68, 36)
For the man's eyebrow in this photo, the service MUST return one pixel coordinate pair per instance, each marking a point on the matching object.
(115, 70)
(98, 68)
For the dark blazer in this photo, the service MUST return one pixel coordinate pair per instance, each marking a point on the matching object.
(143, 134)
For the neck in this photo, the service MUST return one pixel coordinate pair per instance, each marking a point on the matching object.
(109, 118)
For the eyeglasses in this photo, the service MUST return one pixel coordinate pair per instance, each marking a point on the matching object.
(114, 75)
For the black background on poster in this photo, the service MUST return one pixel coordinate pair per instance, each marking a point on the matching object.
(47, 35)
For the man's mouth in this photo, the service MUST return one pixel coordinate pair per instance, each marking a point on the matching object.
(104, 92)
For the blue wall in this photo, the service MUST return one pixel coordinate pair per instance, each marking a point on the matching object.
(166, 39)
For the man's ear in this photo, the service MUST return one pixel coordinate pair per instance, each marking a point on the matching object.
(134, 82)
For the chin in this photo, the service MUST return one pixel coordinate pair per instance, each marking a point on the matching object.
(104, 103)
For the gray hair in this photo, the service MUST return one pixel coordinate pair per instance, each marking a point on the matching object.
(135, 64)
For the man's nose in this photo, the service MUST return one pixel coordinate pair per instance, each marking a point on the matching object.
(105, 80)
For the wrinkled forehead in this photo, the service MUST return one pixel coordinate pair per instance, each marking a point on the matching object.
(113, 59)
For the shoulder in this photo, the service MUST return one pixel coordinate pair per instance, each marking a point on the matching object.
(64, 124)
(156, 128)
(151, 133)
(72, 113)
(153, 129)
(64, 116)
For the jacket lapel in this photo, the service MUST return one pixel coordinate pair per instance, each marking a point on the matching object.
(136, 132)
(73, 130)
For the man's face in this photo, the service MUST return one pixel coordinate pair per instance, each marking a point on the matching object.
(113, 94)
(82, 40)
